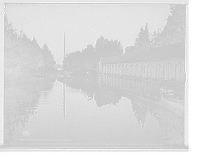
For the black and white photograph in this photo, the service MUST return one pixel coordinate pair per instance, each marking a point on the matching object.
(95, 76)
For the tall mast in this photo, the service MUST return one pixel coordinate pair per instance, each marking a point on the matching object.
(64, 112)
(64, 83)
(64, 47)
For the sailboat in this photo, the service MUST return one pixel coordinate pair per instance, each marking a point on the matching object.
(64, 71)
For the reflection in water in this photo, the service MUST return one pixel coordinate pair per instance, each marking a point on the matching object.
(140, 111)
(21, 102)
(145, 88)
(144, 97)
(90, 88)
(112, 88)
(64, 80)
(172, 125)
(105, 96)
(64, 100)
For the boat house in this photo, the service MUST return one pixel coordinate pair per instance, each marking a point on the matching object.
(166, 63)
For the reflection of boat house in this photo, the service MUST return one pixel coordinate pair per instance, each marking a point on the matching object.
(145, 92)
(147, 89)
(162, 63)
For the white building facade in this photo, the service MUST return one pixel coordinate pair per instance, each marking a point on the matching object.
(165, 63)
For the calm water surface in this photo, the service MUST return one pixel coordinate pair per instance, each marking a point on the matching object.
(88, 113)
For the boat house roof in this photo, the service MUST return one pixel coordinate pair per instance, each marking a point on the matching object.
(172, 51)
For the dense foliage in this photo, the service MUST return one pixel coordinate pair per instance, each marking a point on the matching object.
(88, 57)
(143, 40)
(23, 56)
(173, 32)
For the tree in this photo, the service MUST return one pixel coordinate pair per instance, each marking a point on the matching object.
(106, 48)
(130, 49)
(95, 61)
(39, 59)
(174, 31)
(87, 55)
(26, 58)
(157, 39)
(143, 40)
(103, 97)
(48, 57)
(88, 58)
(139, 39)
(11, 51)
(146, 39)
(140, 111)
(73, 60)
(117, 48)
(22, 56)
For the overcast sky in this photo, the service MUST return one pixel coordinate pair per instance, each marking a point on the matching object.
(83, 24)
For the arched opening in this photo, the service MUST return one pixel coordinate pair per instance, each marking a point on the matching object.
(149, 71)
(119, 70)
(126, 73)
(131, 69)
(122, 70)
(141, 88)
(180, 72)
(123, 83)
(136, 86)
(166, 71)
(116, 82)
(133, 85)
(158, 67)
(115, 69)
(128, 85)
(142, 71)
(149, 89)
(136, 70)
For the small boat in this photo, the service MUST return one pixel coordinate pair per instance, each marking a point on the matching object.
(172, 96)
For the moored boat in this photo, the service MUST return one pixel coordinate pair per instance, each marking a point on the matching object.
(172, 96)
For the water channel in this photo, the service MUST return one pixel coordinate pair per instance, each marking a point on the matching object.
(90, 112)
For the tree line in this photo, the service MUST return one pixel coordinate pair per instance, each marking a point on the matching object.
(89, 56)
(173, 32)
(23, 57)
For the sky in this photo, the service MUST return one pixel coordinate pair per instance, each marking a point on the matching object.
(83, 24)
